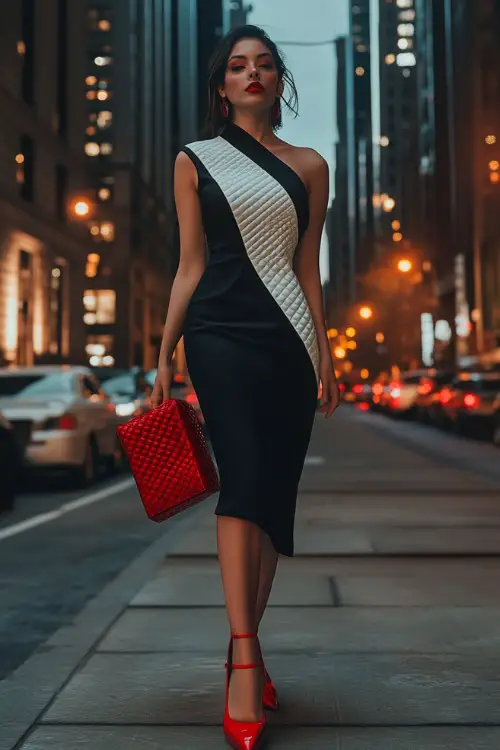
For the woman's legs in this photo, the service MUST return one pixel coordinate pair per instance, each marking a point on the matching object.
(268, 565)
(239, 546)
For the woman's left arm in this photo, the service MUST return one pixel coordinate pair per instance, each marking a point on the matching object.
(306, 266)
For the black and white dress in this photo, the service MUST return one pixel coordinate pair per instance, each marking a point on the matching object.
(250, 342)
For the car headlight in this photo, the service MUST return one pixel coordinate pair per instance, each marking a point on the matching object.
(125, 410)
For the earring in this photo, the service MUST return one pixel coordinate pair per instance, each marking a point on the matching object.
(224, 109)
(276, 109)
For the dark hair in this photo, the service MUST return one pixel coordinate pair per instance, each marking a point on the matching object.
(217, 66)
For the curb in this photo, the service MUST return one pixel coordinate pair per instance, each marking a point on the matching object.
(27, 693)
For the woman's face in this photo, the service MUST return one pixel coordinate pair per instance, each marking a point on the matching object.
(251, 79)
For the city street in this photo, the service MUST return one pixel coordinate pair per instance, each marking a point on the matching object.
(382, 632)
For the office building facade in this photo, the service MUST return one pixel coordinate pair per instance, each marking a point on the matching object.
(42, 252)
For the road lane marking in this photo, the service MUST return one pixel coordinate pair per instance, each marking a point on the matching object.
(41, 518)
(314, 460)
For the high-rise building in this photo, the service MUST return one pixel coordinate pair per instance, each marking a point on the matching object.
(359, 68)
(136, 120)
(236, 13)
(341, 219)
(397, 178)
(146, 97)
(459, 149)
(42, 253)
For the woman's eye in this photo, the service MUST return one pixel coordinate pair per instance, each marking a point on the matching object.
(268, 66)
(236, 68)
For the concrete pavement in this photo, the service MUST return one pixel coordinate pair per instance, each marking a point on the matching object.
(382, 632)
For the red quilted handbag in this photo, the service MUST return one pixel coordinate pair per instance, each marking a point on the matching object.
(169, 458)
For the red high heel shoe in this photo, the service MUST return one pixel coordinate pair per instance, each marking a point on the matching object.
(241, 735)
(270, 694)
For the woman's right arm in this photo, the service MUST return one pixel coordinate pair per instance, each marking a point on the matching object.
(191, 267)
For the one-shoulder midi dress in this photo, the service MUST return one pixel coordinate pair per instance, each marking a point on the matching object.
(250, 342)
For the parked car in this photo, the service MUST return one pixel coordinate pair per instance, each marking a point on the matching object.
(472, 404)
(428, 403)
(67, 420)
(380, 392)
(401, 395)
(127, 395)
(11, 455)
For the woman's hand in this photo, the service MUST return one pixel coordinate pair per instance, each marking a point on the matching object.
(330, 394)
(161, 388)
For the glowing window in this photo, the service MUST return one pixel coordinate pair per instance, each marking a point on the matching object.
(406, 29)
(102, 61)
(407, 15)
(407, 59)
(92, 149)
(104, 119)
(101, 303)
(404, 3)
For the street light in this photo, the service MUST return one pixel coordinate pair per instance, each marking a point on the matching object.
(405, 265)
(80, 208)
(351, 332)
(365, 312)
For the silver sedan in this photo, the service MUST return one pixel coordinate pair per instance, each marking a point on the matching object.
(62, 417)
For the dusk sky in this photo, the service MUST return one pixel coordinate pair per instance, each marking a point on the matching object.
(314, 68)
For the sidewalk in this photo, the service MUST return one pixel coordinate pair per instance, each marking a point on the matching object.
(382, 632)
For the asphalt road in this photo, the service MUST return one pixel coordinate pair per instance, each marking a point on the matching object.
(49, 571)
(60, 547)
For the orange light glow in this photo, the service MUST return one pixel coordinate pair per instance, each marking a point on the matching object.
(405, 265)
(81, 208)
(396, 225)
(494, 165)
(494, 177)
(397, 237)
(339, 352)
(380, 338)
(365, 312)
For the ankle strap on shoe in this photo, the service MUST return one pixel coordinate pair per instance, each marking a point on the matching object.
(244, 635)
(247, 666)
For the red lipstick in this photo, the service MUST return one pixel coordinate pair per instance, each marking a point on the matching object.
(255, 88)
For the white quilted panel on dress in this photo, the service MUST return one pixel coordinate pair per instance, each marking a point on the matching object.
(267, 221)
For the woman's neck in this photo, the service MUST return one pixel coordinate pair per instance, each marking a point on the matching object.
(257, 128)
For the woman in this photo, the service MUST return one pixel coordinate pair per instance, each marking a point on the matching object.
(254, 334)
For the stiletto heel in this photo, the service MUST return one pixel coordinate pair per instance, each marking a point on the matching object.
(241, 735)
(270, 694)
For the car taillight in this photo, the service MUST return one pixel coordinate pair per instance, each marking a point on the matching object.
(444, 396)
(377, 389)
(357, 388)
(424, 389)
(471, 400)
(67, 422)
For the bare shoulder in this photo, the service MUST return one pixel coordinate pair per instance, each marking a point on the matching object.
(311, 160)
(185, 170)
